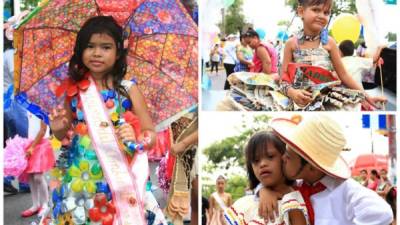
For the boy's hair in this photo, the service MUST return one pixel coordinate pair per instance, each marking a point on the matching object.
(307, 3)
(258, 143)
(100, 25)
(347, 48)
(364, 170)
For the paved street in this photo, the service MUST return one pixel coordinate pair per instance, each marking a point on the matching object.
(15, 204)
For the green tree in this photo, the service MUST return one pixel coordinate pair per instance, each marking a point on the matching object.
(29, 4)
(234, 20)
(391, 36)
(284, 23)
(229, 151)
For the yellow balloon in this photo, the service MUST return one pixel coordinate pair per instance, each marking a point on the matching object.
(346, 27)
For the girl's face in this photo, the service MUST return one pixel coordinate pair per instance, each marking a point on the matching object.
(252, 42)
(221, 185)
(100, 55)
(267, 166)
(315, 17)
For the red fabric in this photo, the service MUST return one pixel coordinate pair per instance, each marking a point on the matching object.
(257, 68)
(373, 185)
(308, 190)
(170, 166)
(316, 74)
(133, 120)
(163, 143)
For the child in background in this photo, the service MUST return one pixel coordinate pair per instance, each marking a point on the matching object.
(265, 58)
(244, 55)
(357, 66)
(40, 160)
(219, 201)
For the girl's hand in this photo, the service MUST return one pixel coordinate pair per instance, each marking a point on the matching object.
(58, 119)
(126, 133)
(268, 208)
(29, 151)
(300, 97)
(372, 103)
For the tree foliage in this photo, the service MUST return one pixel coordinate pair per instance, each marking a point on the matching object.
(29, 4)
(339, 6)
(391, 36)
(230, 150)
(234, 18)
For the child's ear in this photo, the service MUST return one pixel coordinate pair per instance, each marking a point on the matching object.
(300, 11)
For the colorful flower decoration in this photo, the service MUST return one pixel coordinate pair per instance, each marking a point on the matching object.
(56, 176)
(103, 187)
(72, 87)
(77, 205)
(65, 219)
(150, 217)
(103, 210)
(58, 197)
(84, 176)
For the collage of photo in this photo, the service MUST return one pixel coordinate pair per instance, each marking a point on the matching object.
(211, 112)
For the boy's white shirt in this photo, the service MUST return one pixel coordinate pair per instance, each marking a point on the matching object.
(346, 202)
(357, 66)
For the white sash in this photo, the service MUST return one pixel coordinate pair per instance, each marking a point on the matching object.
(127, 193)
(219, 200)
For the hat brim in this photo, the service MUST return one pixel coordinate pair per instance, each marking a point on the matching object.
(284, 128)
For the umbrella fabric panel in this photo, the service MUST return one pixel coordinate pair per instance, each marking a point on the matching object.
(43, 92)
(43, 51)
(68, 15)
(166, 16)
(120, 10)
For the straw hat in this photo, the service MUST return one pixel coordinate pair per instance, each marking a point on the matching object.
(319, 140)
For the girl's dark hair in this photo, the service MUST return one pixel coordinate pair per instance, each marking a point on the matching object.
(258, 143)
(100, 25)
(251, 33)
(374, 172)
(306, 3)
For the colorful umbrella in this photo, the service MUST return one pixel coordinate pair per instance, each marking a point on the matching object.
(162, 52)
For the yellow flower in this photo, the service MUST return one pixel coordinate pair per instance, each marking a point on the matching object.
(83, 178)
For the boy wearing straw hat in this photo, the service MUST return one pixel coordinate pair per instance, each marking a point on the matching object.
(313, 155)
